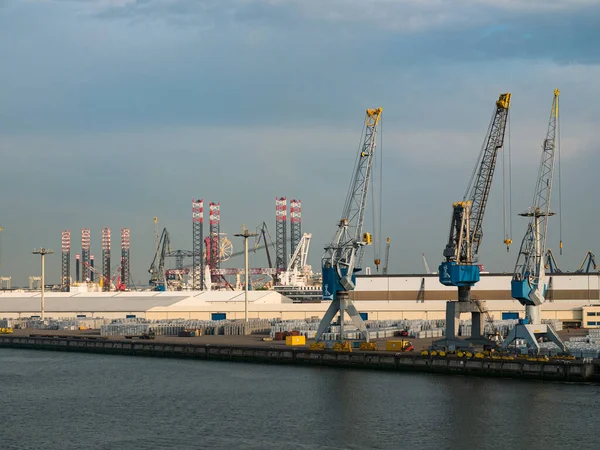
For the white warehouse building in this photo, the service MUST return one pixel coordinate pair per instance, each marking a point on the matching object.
(376, 297)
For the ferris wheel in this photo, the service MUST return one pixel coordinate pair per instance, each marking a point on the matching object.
(225, 248)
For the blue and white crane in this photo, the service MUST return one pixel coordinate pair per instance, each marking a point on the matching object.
(343, 256)
(466, 230)
(529, 279)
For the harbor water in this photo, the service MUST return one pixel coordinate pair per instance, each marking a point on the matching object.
(54, 400)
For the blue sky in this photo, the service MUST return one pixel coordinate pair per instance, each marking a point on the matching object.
(113, 112)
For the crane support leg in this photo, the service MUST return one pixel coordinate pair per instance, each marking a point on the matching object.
(533, 331)
(342, 304)
(454, 310)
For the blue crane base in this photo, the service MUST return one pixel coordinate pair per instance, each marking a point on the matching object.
(452, 274)
(520, 290)
(331, 282)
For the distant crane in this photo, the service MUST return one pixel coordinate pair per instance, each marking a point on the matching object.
(263, 233)
(427, 269)
(343, 256)
(591, 264)
(293, 275)
(386, 261)
(157, 268)
(551, 264)
(529, 279)
(466, 230)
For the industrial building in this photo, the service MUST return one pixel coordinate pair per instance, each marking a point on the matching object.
(379, 297)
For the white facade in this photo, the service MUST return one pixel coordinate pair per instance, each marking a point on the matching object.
(381, 297)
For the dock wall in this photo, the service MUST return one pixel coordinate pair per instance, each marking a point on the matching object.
(571, 371)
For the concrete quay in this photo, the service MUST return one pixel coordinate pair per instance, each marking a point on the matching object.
(552, 370)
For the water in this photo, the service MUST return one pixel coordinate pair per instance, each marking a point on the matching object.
(51, 400)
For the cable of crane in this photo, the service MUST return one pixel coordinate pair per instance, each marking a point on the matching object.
(377, 201)
(559, 179)
(507, 199)
(1, 229)
(478, 162)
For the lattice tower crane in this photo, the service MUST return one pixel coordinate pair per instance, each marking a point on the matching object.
(551, 264)
(157, 268)
(466, 229)
(343, 256)
(529, 279)
(591, 264)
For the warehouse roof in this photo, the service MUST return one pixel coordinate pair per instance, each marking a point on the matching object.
(129, 301)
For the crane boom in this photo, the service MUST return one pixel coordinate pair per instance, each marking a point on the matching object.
(528, 284)
(157, 268)
(466, 230)
(344, 253)
(342, 257)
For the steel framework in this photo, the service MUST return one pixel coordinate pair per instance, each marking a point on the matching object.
(125, 259)
(529, 284)
(77, 263)
(85, 254)
(91, 264)
(106, 259)
(65, 279)
(215, 237)
(343, 255)
(281, 233)
(197, 241)
(295, 223)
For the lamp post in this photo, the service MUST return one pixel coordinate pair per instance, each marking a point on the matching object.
(43, 252)
(245, 234)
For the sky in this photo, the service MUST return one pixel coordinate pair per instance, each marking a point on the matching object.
(113, 112)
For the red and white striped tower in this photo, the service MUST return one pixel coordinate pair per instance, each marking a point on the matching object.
(295, 224)
(197, 241)
(65, 279)
(281, 233)
(125, 257)
(85, 254)
(106, 259)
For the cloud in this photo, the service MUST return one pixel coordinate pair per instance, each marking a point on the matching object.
(403, 16)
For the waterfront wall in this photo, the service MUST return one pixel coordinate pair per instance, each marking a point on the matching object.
(572, 371)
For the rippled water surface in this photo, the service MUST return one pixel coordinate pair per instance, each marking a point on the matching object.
(52, 400)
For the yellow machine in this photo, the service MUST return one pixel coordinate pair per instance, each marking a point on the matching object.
(401, 345)
(368, 346)
(342, 347)
(317, 346)
(295, 340)
(6, 330)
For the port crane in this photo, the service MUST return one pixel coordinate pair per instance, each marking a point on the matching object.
(591, 263)
(466, 232)
(343, 256)
(528, 284)
(427, 269)
(551, 264)
(158, 277)
(263, 233)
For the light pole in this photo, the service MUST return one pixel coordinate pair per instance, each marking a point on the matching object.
(43, 252)
(245, 234)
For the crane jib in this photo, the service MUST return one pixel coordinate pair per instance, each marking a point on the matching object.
(345, 250)
(466, 227)
(528, 284)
